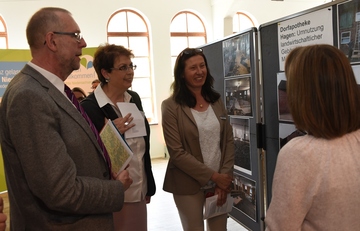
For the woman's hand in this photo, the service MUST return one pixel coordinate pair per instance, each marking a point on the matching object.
(222, 196)
(124, 123)
(223, 181)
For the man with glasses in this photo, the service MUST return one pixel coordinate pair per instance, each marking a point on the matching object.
(56, 169)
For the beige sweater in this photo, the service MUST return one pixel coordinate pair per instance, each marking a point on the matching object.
(317, 185)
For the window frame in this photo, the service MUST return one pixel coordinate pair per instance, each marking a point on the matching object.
(238, 15)
(151, 119)
(3, 34)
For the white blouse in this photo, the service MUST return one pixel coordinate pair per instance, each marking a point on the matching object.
(138, 188)
(209, 137)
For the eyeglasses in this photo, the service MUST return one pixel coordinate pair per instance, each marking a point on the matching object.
(191, 51)
(124, 68)
(76, 35)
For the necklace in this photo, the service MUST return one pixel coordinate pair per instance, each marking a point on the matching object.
(201, 105)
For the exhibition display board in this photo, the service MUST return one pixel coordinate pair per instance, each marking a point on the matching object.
(336, 23)
(259, 115)
(248, 68)
(233, 62)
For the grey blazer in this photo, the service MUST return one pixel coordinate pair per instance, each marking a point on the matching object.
(186, 172)
(56, 175)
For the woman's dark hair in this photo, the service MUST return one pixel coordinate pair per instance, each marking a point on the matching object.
(323, 96)
(105, 56)
(181, 93)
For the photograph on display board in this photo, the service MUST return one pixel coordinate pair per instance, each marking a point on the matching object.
(283, 108)
(356, 70)
(241, 132)
(244, 194)
(236, 55)
(349, 29)
(288, 131)
(237, 96)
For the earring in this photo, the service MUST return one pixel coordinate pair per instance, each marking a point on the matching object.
(107, 80)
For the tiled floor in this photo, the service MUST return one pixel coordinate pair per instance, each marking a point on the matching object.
(162, 212)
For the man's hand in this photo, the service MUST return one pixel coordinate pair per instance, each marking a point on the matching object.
(125, 179)
(2, 216)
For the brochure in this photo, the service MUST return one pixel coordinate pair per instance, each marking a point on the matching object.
(211, 208)
(119, 151)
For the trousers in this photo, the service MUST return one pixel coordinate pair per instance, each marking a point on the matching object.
(190, 208)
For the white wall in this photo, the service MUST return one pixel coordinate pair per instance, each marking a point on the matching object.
(92, 17)
(260, 11)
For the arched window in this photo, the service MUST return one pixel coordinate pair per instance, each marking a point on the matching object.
(186, 30)
(3, 34)
(129, 29)
(242, 22)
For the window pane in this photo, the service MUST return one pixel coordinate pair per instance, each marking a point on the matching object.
(147, 106)
(142, 87)
(241, 22)
(136, 24)
(245, 22)
(194, 24)
(143, 69)
(139, 46)
(178, 44)
(2, 27)
(196, 41)
(3, 43)
(118, 23)
(173, 60)
(119, 41)
(178, 24)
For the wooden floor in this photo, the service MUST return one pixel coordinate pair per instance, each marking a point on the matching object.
(162, 212)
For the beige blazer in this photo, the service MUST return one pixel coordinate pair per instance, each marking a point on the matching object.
(186, 172)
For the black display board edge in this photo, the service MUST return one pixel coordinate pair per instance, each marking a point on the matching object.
(214, 55)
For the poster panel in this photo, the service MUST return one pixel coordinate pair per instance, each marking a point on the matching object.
(241, 132)
(308, 29)
(7, 71)
(236, 55)
(237, 96)
(13, 60)
(245, 196)
(288, 131)
(84, 75)
(356, 70)
(349, 29)
(283, 108)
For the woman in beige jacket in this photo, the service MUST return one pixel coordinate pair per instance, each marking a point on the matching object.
(199, 139)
